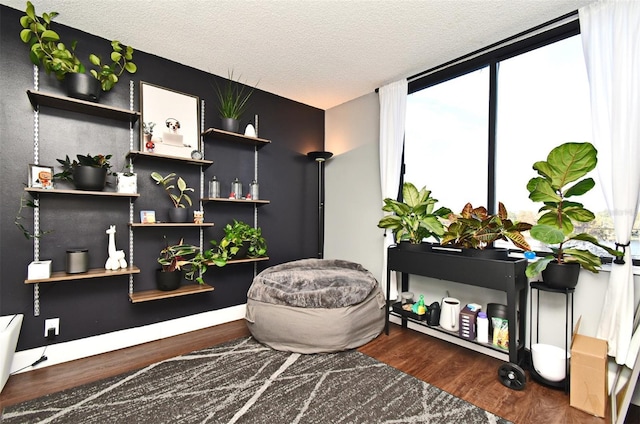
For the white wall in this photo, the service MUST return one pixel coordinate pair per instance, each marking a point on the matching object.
(353, 208)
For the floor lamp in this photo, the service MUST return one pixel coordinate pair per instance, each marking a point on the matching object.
(320, 158)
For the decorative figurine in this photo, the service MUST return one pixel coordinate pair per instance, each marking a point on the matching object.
(116, 258)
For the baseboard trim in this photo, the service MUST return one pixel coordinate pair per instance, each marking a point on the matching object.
(95, 345)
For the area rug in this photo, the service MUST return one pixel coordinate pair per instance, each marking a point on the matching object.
(245, 382)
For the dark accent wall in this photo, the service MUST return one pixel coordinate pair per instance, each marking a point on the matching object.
(90, 307)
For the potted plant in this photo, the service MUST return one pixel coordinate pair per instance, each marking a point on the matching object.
(179, 213)
(46, 49)
(475, 229)
(126, 181)
(240, 240)
(233, 100)
(87, 172)
(176, 258)
(565, 164)
(415, 218)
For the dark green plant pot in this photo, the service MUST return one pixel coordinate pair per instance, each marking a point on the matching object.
(561, 276)
(167, 281)
(230, 124)
(179, 215)
(89, 178)
(416, 247)
(83, 87)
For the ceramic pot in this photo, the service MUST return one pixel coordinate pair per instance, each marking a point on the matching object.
(82, 86)
(179, 215)
(167, 281)
(89, 178)
(126, 183)
(561, 276)
(242, 251)
(230, 124)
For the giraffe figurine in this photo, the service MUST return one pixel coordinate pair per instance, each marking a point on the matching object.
(116, 258)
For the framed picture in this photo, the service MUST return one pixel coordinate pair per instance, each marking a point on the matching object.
(148, 217)
(41, 176)
(170, 122)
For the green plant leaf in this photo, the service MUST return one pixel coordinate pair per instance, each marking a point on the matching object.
(50, 35)
(30, 11)
(535, 268)
(131, 67)
(115, 56)
(568, 162)
(580, 188)
(540, 190)
(25, 35)
(547, 234)
(95, 60)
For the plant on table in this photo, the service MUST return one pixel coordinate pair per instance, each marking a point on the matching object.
(475, 228)
(415, 218)
(183, 257)
(68, 165)
(233, 98)
(565, 164)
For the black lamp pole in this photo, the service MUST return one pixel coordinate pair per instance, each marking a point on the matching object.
(320, 158)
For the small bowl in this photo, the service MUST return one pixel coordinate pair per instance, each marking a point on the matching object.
(549, 361)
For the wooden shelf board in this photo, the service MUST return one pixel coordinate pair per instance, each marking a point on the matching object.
(240, 261)
(38, 98)
(92, 273)
(148, 295)
(223, 199)
(81, 192)
(171, 224)
(215, 133)
(136, 153)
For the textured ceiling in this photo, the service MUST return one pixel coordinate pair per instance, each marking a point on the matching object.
(318, 52)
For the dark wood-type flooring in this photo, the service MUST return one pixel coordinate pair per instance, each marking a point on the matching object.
(467, 374)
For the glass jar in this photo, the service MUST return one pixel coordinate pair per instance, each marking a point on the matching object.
(253, 190)
(214, 188)
(407, 298)
(236, 189)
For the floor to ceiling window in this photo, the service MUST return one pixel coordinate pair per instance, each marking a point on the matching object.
(473, 139)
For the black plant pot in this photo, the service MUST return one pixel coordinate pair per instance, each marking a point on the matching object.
(89, 178)
(416, 247)
(230, 124)
(83, 87)
(488, 253)
(179, 215)
(242, 250)
(167, 281)
(561, 276)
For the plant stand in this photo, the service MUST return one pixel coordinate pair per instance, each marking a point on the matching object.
(568, 293)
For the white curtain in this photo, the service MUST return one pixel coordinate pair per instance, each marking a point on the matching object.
(611, 43)
(393, 111)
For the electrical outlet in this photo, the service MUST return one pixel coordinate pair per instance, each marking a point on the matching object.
(52, 323)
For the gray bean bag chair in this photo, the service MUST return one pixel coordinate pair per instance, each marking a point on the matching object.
(315, 305)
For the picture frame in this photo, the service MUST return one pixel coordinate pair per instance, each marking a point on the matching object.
(170, 122)
(147, 217)
(40, 176)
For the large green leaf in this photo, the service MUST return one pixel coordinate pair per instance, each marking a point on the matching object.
(568, 162)
(540, 190)
(580, 187)
(410, 194)
(535, 268)
(579, 214)
(547, 234)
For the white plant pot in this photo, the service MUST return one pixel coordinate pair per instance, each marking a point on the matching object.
(126, 183)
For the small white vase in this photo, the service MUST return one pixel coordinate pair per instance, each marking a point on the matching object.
(126, 183)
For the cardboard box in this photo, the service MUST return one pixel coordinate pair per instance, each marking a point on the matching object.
(588, 373)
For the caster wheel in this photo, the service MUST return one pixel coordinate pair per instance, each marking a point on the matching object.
(512, 376)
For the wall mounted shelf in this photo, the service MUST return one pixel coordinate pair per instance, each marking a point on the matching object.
(138, 154)
(92, 273)
(171, 224)
(38, 98)
(81, 192)
(230, 136)
(247, 260)
(249, 201)
(187, 289)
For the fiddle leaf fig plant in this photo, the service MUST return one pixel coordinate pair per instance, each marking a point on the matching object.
(474, 228)
(415, 218)
(565, 164)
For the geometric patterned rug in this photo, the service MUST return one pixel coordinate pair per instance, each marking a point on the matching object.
(243, 381)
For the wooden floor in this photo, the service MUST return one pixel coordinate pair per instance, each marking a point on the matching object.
(469, 375)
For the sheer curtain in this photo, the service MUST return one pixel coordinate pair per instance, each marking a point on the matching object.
(611, 43)
(393, 110)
